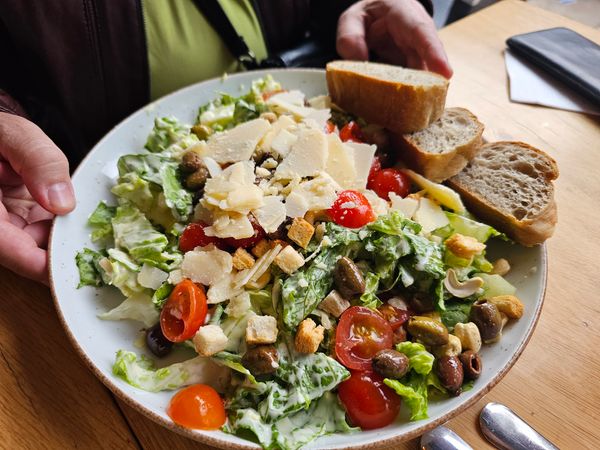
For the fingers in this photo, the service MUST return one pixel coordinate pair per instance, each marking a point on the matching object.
(351, 38)
(20, 253)
(8, 177)
(40, 232)
(41, 165)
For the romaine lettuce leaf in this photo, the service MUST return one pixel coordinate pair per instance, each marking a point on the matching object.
(413, 391)
(87, 263)
(234, 362)
(100, 221)
(419, 359)
(120, 273)
(161, 295)
(369, 297)
(456, 311)
(166, 131)
(138, 307)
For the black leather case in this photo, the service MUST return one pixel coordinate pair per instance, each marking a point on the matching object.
(564, 54)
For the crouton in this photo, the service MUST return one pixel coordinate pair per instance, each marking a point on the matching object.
(261, 330)
(464, 246)
(289, 260)
(262, 247)
(334, 304)
(309, 336)
(242, 259)
(209, 340)
(301, 232)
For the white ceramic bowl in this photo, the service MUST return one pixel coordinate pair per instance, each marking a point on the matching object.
(97, 341)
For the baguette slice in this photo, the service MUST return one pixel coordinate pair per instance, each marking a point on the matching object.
(509, 185)
(401, 100)
(445, 147)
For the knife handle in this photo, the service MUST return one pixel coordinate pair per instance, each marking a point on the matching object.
(504, 429)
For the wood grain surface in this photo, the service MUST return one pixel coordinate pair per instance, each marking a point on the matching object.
(48, 399)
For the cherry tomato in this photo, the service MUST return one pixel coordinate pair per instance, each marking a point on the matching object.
(375, 167)
(193, 236)
(267, 95)
(395, 316)
(259, 233)
(351, 209)
(351, 132)
(368, 401)
(390, 180)
(360, 334)
(197, 406)
(330, 127)
(184, 311)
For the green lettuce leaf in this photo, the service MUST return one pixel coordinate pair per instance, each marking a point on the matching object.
(161, 295)
(469, 227)
(119, 271)
(413, 392)
(234, 362)
(456, 312)
(100, 221)
(138, 307)
(166, 131)
(369, 297)
(419, 359)
(87, 263)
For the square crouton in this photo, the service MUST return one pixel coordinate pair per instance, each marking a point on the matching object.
(309, 336)
(301, 232)
(262, 247)
(261, 330)
(334, 304)
(242, 259)
(209, 340)
(289, 260)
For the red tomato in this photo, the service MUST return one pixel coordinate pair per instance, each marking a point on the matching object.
(395, 316)
(193, 236)
(390, 180)
(351, 132)
(368, 401)
(267, 95)
(375, 167)
(351, 209)
(197, 406)
(184, 311)
(330, 127)
(360, 334)
(259, 233)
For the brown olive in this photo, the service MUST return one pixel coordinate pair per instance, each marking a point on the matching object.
(421, 303)
(450, 372)
(156, 341)
(202, 131)
(190, 162)
(261, 360)
(471, 363)
(399, 335)
(390, 364)
(487, 318)
(348, 278)
(428, 330)
(196, 180)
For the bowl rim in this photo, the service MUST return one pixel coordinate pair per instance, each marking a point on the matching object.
(200, 436)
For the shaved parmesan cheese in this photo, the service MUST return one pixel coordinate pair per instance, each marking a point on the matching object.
(213, 167)
(313, 195)
(283, 142)
(317, 119)
(430, 216)
(380, 206)
(407, 206)
(237, 144)
(282, 123)
(307, 156)
(261, 265)
(151, 277)
(233, 190)
(442, 194)
(206, 265)
(291, 102)
(296, 204)
(244, 199)
(340, 162)
(363, 159)
(271, 214)
(175, 277)
(222, 290)
(320, 102)
(233, 225)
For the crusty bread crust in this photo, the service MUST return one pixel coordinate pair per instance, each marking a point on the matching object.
(528, 232)
(439, 166)
(396, 106)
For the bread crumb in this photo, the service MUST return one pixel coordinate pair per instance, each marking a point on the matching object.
(309, 336)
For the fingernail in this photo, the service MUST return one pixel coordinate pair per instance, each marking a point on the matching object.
(60, 196)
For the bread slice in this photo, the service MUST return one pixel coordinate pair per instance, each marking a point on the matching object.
(401, 100)
(509, 185)
(443, 148)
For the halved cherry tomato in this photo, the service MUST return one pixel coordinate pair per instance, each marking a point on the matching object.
(330, 127)
(375, 167)
(267, 95)
(360, 334)
(395, 316)
(390, 180)
(351, 132)
(193, 236)
(351, 209)
(184, 311)
(368, 401)
(259, 233)
(197, 406)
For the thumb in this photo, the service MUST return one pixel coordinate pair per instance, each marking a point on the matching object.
(42, 166)
(351, 35)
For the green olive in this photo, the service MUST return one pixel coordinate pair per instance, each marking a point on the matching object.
(427, 330)
(487, 318)
(202, 131)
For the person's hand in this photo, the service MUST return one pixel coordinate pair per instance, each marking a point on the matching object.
(34, 186)
(397, 31)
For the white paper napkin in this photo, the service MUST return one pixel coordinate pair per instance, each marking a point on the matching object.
(529, 84)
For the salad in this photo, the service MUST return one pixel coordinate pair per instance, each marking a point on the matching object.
(315, 285)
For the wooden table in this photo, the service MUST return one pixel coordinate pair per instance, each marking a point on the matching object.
(48, 399)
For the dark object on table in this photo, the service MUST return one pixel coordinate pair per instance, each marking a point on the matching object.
(564, 54)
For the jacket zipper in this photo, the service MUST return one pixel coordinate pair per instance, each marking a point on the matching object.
(94, 37)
